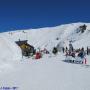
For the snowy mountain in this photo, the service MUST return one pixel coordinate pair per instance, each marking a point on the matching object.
(50, 72)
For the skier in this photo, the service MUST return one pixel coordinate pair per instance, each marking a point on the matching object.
(63, 49)
(55, 50)
(38, 55)
(70, 47)
(81, 54)
(66, 49)
(87, 50)
(73, 54)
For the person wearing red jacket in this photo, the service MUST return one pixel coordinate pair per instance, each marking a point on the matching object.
(38, 55)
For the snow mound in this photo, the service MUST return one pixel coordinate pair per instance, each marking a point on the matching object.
(9, 51)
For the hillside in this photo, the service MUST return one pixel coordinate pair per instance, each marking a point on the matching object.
(49, 72)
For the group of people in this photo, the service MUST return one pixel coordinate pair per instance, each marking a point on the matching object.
(68, 51)
(80, 53)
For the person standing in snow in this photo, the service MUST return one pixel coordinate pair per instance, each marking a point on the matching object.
(70, 47)
(63, 49)
(87, 50)
(54, 50)
(82, 53)
(66, 49)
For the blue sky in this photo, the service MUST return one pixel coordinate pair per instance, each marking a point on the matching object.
(24, 14)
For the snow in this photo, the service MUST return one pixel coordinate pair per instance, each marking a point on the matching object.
(49, 72)
(9, 49)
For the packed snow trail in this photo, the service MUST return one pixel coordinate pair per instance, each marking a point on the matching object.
(47, 74)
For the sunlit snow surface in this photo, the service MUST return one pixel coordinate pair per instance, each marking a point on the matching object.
(49, 72)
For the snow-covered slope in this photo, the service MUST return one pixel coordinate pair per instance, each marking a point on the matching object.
(9, 50)
(50, 72)
(46, 37)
